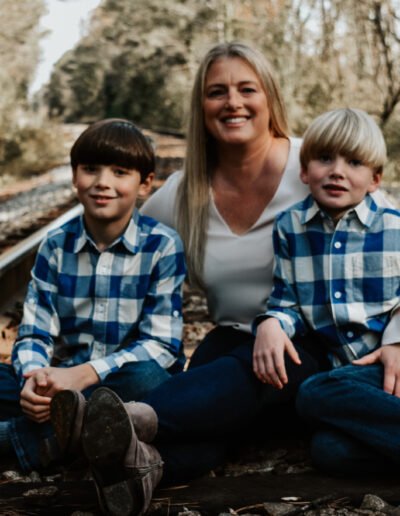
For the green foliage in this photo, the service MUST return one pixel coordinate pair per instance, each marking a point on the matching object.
(138, 59)
(28, 143)
(33, 149)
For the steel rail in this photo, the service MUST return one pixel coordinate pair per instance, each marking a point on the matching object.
(16, 263)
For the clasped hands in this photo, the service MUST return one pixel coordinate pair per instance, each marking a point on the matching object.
(43, 383)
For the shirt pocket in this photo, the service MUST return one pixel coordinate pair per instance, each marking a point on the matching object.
(377, 275)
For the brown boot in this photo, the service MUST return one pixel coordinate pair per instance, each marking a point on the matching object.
(66, 411)
(143, 418)
(125, 469)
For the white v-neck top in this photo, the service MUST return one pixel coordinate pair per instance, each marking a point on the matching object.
(237, 268)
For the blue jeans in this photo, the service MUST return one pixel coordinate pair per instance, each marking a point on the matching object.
(131, 382)
(357, 423)
(202, 411)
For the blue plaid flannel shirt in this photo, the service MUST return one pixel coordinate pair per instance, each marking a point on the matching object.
(107, 308)
(343, 281)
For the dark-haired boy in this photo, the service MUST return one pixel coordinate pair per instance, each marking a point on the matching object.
(103, 306)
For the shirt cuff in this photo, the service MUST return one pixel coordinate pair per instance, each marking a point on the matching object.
(391, 335)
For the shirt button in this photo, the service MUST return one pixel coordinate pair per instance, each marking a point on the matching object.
(337, 245)
(337, 295)
(350, 334)
(175, 313)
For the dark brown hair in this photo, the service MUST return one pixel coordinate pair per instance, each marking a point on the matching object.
(114, 141)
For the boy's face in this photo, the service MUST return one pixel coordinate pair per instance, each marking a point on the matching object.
(108, 193)
(338, 183)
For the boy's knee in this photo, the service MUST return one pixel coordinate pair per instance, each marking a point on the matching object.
(329, 453)
(309, 395)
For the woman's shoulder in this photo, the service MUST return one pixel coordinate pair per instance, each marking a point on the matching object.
(162, 203)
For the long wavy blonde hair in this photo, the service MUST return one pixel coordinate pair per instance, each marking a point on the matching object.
(194, 190)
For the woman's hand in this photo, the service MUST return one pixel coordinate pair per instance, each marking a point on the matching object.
(389, 357)
(269, 353)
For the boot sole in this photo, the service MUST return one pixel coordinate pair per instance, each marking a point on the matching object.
(63, 412)
(106, 436)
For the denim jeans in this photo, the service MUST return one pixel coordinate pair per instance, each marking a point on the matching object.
(357, 423)
(131, 382)
(202, 411)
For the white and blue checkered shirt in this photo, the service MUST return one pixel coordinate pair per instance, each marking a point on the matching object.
(343, 281)
(107, 308)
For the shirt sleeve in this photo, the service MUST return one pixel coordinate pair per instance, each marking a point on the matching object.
(283, 302)
(160, 327)
(162, 203)
(40, 323)
(391, 334)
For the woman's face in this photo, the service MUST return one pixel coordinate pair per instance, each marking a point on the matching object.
(234, 104)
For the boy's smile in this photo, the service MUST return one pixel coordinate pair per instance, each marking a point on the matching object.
(339, 183)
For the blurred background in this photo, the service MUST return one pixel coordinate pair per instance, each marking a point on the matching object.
(76, 61)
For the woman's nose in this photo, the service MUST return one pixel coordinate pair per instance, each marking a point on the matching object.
(233, 99)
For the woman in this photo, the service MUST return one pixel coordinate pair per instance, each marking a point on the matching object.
(241, 170)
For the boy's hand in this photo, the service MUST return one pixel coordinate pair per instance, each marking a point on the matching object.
(34, 402)
(389, 357)
(42, 384)
(269, 353)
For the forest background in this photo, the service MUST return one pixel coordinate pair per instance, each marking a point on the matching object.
(137, 59)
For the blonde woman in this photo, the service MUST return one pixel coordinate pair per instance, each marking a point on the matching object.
(241, 170)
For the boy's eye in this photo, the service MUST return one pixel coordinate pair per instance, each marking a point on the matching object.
(120, 172)
(325, 158)
(89, 168)
(355, 162)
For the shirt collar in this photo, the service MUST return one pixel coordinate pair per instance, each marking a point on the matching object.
(130, 237)
(365, 210)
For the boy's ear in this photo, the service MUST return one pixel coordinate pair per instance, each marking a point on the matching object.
(304, 175)
(74, 176)
(145, 186)
(376, 181)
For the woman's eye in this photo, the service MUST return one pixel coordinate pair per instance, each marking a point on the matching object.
(212, 94)
(248, 90)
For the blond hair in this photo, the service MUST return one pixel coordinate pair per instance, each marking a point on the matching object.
(194, 191)
(349, 132)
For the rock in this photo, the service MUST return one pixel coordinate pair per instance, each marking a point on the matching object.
(11, 475)
(48, 491)
(188, 512)
(278, 509)
(374, 503)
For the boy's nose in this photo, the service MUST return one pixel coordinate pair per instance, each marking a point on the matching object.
(102, 178)
(338, 167)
